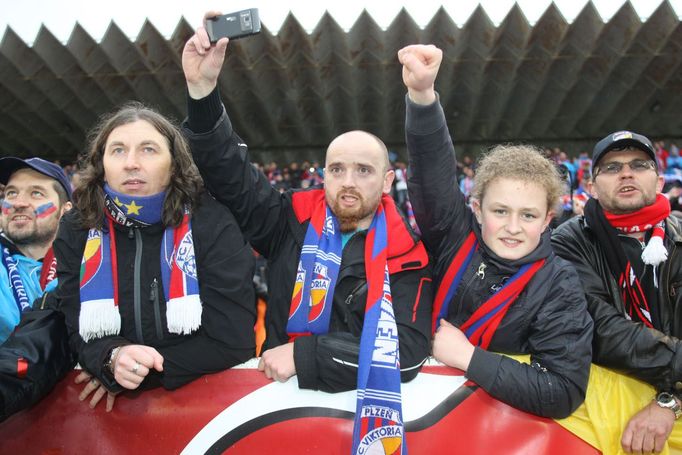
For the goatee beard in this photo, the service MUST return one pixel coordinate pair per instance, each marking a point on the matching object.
(348, 223)
(349, 219)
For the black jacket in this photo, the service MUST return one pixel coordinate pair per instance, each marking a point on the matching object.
(651, 355)
(269, 222)
(33, 359)
(548, 320)
(225, 268)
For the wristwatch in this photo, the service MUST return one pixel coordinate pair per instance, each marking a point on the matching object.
(109, 364)
(667, 400)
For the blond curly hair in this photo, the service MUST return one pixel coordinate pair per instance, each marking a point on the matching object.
(518, 162)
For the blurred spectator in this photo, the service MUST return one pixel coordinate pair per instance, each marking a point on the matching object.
(466, 184)
(674, 162)
(661, 155)
(400, 183)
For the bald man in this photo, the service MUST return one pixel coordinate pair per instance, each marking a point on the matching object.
(316, 241)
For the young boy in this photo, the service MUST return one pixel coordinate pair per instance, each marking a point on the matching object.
(500, 286)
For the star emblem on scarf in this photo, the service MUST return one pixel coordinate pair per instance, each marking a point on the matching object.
(117, 202)
(133, 209)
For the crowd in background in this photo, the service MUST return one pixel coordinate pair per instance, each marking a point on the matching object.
(576, 171)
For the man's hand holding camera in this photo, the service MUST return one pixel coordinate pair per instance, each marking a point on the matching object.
(202, 62)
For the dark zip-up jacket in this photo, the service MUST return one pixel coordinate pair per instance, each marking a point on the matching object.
(651, 355)
(225, 268)
(276, 230)
(548, 320)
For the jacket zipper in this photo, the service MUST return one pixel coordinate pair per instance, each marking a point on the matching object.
(137, 305)
(154, 299)
(349, 299)
(481, 270)
(460, 302)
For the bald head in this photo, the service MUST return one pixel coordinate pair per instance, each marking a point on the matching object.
(360, 141)
(356, 176)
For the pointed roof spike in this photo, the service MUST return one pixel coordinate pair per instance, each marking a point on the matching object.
(326, 24)
(364, 21)
(627, 13)
(515, 16)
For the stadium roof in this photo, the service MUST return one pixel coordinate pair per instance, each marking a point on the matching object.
(552, 83)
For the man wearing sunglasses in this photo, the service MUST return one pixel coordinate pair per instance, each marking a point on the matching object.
(626, 248)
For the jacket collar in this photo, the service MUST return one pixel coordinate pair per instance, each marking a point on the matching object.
(673, 229)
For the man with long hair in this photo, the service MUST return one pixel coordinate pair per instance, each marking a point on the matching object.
(154, 275)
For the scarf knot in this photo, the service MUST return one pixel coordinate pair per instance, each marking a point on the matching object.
(651, 217)
(482, 324)
(606, 227)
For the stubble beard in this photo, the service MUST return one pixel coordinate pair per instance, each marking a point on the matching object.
(624, 207)
(31, 234)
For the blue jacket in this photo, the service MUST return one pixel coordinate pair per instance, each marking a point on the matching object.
(29, 271)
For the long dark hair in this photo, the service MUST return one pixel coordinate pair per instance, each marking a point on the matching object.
(185, 182)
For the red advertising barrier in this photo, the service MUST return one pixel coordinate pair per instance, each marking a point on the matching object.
(239, 411)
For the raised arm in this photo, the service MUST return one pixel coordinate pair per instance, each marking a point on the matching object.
(439, 205)
(219, 153)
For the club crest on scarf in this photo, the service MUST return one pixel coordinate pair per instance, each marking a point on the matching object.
(318, 267)
(383, 439)
(298, 290)
(92, 257)
(318, 291)
(184, 256)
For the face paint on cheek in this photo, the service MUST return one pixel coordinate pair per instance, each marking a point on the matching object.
(45, 210)
(6, 206)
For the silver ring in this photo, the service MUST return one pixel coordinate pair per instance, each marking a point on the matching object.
(136, 367)
(93, 381)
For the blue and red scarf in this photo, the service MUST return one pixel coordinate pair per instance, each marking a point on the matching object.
(318, 268)
(48, 271)
(99, 314)
(378, 417)
(482, 324)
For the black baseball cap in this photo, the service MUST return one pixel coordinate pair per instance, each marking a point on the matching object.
(622, 139)
(9, 165)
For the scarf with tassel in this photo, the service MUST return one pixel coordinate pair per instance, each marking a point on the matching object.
(99, 313)
(607, 226)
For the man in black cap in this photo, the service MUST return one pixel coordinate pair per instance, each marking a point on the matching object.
(625, 250)
(36, 195)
